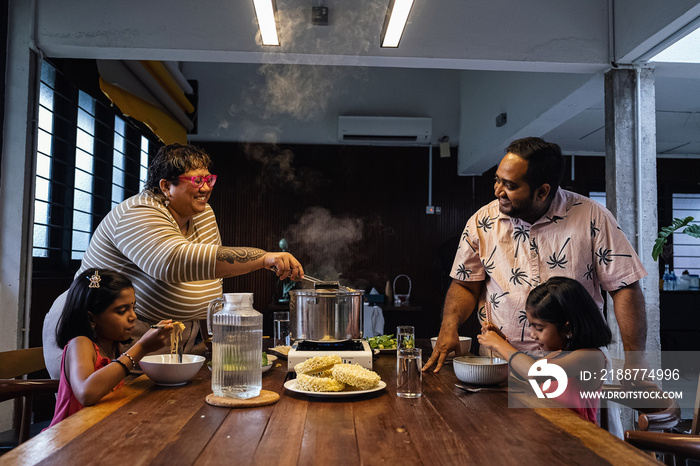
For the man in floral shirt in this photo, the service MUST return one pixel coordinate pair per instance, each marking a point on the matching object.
(535, 230)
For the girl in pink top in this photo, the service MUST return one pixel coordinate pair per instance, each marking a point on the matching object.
(570, 331)
(98, 315)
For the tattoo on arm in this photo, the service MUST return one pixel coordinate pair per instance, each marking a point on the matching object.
(232, 255)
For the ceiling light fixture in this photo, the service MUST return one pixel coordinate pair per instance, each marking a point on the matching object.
(395, 22)
(265, 11)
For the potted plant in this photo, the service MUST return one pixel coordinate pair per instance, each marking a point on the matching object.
(692, 230)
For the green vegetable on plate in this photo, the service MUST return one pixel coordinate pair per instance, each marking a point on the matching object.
(382, 342)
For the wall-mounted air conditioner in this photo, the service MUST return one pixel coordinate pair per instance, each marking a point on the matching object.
(389, 131)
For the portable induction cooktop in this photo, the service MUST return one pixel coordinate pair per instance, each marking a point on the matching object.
(350, 351)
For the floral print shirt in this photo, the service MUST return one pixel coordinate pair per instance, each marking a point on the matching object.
(576, 238)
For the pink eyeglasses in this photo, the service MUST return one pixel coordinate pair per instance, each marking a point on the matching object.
(198, 181)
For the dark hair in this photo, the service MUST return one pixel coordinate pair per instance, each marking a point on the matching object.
(560, 300)
(545, 162)
(81, 299)
(172, 161)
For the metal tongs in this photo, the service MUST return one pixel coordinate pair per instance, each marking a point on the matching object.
(325, 284)
(318, 283)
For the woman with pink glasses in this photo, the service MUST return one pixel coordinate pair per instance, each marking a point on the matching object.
(166, 240)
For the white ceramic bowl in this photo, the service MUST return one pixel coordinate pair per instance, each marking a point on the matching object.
(480, 370)
(465, 344)
(163, 369)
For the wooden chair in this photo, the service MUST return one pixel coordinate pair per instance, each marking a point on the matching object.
(652, 418)
(680, 446)
(18, 363)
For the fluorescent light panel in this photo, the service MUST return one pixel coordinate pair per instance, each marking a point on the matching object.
(265, 11)
(398, 15)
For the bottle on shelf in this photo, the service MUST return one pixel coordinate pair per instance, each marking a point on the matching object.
(674, 281)
(667, 279)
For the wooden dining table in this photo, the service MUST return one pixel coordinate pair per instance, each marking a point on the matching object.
(147, 424)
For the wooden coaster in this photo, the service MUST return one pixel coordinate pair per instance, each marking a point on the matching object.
(265, 398)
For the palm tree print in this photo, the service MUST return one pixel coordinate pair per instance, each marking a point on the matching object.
(559, 260)
(488, 263)
(534, 247)
(522, 319)
(573, 205)
(590, 272)
(605, 256)
(494, 299)
(462, 272)
(485, 223)
(482, 314)
(520, 235)
(518, 277)
(555, 218)
(465, 237)
(594, 229)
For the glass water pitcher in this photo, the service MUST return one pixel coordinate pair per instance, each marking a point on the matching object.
(236, 330)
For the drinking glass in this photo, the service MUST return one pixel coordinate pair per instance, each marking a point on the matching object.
(409, 375)
(281, 334)
(405, 337)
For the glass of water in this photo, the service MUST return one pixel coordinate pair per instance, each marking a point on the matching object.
(405, 337)
(281, 334)
(409, 375)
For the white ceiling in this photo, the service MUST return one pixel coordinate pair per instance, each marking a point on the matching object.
(460, 62)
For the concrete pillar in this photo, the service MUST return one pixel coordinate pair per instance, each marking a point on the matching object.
(630, 186)
(630, 174)
(16, 183)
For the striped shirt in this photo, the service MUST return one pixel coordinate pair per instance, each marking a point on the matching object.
(576, 238)
(173, 275)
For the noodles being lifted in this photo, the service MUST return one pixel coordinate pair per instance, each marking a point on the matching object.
(178, 327)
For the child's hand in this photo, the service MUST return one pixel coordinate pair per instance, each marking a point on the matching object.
(489, 327)
(490, 339)
(156, 338)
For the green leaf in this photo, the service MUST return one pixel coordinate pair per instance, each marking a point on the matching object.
(693, 230)
(665, 232)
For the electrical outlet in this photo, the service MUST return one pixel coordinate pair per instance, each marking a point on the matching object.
(501, 119)
(319, 16)
(438, 210)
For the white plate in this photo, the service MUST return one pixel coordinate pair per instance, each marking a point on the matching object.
(278, 353)
(291, 385)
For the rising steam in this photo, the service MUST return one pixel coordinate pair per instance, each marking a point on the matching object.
(326, 241)
(303, 91)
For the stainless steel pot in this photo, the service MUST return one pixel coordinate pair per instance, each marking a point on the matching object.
(325, 314)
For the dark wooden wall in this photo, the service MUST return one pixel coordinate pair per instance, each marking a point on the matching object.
(258, 200)
(378, 193)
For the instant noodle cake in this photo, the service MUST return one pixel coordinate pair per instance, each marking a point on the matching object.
(313, 383)
(317, 364)
(355, 375)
